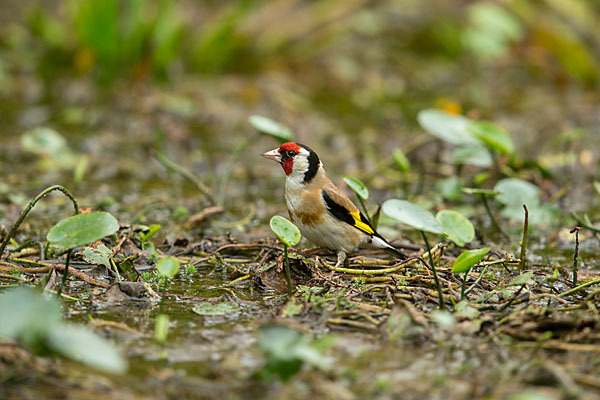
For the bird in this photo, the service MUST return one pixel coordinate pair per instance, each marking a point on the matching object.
(324, 215)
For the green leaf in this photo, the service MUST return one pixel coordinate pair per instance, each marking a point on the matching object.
(493, 136)
(27, 316)
(287, 232)
(467, 259)
(516, 192)
(597, 186)
(271, 128)
(44, 141)
(490, 30)
(448, 127)
(553, 278)
(401, 160)
(357, 186)
(494, 20)
(458, 228)
(168, 267)
(412, 215)
(82, 229)
(82, 344)
(151, 231)
(475, 155)
(525, 278)
(286, 350)
(161, 328)
(223, 308)
(98, 255)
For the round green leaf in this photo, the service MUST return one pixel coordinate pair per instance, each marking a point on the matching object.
(82, 229)
(285, 230)
(43, 141)
(475, 155)
(458, 228)
(493, 136)
(468, 259)
(168, 267)
(448, 127)
(412, 215)
(357, 186)
(516, 192)
(271, 128)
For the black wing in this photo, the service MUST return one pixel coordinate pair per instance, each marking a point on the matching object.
(354, 218)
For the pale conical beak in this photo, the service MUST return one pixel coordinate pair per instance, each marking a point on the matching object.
(272, 155)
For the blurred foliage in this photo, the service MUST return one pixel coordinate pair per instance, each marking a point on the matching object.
(287, 350)
(37, 323)
(131, 40)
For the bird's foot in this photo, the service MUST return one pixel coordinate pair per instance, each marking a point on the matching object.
(341, 257)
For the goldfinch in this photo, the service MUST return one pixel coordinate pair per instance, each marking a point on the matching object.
(321, 211)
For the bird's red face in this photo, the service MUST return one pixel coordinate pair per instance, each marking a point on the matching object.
(284, 155)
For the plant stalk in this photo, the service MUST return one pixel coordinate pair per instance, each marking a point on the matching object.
(66, 273)
(524, 240)
(171, 165)
(435, 276)
(576, 255)
(288, 276)
(362, 203)
(32, 204)
(114, 266)
(582, 286)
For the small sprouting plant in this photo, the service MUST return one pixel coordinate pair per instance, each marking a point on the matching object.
(189, 270)
(447, 223)
(167, 268)
(422, 220)
(465, 261)
(153, 277)
(289, 234)
(144, 238)
(359, 282)
(80, 230)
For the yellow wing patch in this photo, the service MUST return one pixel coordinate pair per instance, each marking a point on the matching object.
(359, 224)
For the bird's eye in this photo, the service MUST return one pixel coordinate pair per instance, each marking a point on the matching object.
(291, 153)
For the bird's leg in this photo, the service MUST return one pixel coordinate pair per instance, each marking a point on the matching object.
(341, 257)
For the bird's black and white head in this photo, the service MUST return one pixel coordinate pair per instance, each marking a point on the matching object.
(299, 162)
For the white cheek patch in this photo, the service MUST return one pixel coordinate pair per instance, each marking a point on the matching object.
(300, 164)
